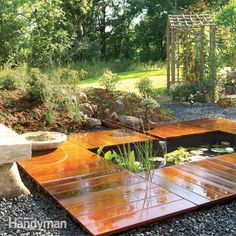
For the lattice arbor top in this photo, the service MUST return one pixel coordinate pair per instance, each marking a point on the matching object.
(190, 48)
(190, 21)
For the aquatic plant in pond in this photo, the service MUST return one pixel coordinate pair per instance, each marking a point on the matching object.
(135, 157)
(198, 153)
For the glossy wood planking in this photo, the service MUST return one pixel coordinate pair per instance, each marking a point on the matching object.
(107, 199)
(101, 212)
(208, 176)
(231, 158)
(202, 182)
(175, 130)
(218, 167)
(214, 172)
(116, 200)
(174, 188)
(128, 207)
(109, 193)
(137, 218)
(216, 124)
(121, 178)
(204, 192)
(107, 138)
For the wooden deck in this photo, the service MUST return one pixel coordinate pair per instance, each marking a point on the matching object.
(107, 199)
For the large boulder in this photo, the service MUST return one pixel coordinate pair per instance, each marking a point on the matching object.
(87, 109)
(131, 121)
(81, 97)
(93, 123)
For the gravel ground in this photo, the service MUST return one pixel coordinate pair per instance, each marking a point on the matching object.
(215, 221)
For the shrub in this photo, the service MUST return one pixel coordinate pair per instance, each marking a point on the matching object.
(145, 87)
(193, 92)
(38, 83)
(147, 107)
(109, 80)
(8, 84)
(8, 78)
(71, 76)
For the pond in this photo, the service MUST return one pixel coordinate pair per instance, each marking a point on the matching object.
(149, 155)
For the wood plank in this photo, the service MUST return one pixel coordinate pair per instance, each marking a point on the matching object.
(175, 130)
(205, 174)
(137, 218)
(231, 158)
(118, 205)
(120, 178)
(174, 188)
(215, 172)
(72, 190)
(204, 192)
(110, 212)
(207, 184)
(109, 193)
(215, 124)
(107, 138)
(211, 164)
(231, 165)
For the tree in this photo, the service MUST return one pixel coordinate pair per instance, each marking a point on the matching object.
(226, 18)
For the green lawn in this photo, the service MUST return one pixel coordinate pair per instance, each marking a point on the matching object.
(128, 79)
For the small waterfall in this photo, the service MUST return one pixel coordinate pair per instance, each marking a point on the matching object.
(163, 145)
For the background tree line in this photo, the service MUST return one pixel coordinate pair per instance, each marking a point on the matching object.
(46, 32)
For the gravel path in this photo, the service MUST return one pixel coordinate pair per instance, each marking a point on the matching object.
(215, 221)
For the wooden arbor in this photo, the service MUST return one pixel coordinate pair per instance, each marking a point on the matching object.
(190, 49)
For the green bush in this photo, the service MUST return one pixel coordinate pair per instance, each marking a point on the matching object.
(145, 87)
(109, 80)
(38, 83)
(8, 84)
(71, 76)
(193, 92)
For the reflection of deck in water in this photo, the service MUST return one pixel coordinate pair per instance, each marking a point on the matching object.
(105, 198)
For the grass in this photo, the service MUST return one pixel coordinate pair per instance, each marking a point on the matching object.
(128, 79)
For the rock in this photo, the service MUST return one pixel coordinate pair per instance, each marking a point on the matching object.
(95, 108)
(93, 123)
(230, 75)
(131, 121)
(198, 104)
(114, 116)
(82, 97)
(87, 109)
(119, 104)
(106, 111)
(149, 125)
(186, 103)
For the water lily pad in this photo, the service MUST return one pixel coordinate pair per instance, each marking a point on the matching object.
(218, 150)
(196, 152)
(156, 159)
(196, 158)
(203, 149)
(229, 150)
